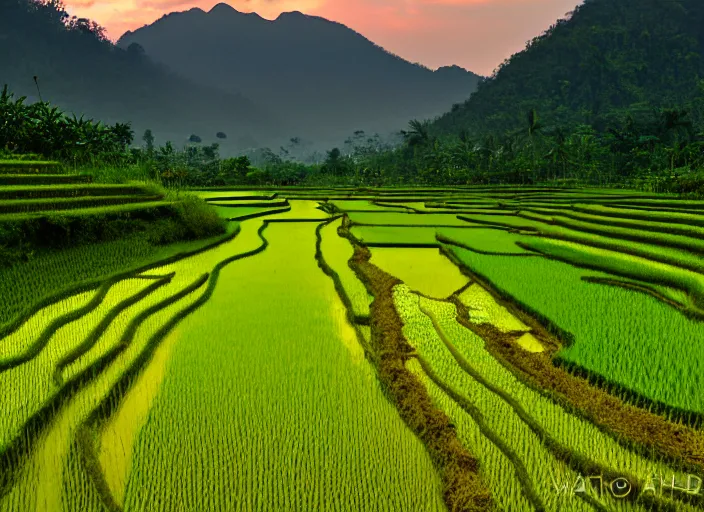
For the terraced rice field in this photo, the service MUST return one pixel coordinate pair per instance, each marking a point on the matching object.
(481, 348)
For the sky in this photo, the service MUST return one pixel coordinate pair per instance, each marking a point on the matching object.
(475, 34)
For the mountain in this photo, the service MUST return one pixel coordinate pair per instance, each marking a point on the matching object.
(324, 78)
(79, 70)
(608, 60)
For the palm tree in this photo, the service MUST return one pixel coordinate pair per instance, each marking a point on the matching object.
(418, 134)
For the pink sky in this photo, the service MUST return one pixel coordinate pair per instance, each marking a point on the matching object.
(475, 34)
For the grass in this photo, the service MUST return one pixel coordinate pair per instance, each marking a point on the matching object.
(48, 272)
(483, 308)
(337, 252)
(405, 219)
(626, 265)
(49, 191)
(694, 219)
(325, 392)
(43, 179)
(398, 236)
(488, 403)
(291, 368)
(629, 340)
(493, 241)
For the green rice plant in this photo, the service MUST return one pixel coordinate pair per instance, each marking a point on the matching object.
(61, 191)
(236, 203)
(300, 416)
(151, 206)
(487, 241)
(631, 224)
(635, 234)
(237, 195)
(247, 213)
(628, 339)
(41, 481)
(35, 205)
(185, 271)
(658, 255)
(29, 284)
(32, 380)
(625, 265)
(395, 236)
(507, 220)
(692, 218)
(29, 167)
(541, 434)
(425, 270)
(495, 467)
(483, 308)
(364, 206)
(43, 179)
(337, 251)
(661, 202)
(405, 219)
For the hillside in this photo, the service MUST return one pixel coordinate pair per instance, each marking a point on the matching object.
(82, 72)
(608, 57)
(326, 78)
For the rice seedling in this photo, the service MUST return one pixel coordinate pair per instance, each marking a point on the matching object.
(355, 205)
(626, 265)
(248, 376)
(494, 241)
(405, 219)
(316, 444)
(483, 308)
(629, 339)
(691, 218)
(539, 433)
(337, 251)
(425, 270)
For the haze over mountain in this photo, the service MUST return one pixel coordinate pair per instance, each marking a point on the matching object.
(324, 79)
(86, 74)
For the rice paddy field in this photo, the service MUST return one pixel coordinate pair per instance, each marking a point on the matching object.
(450, 349)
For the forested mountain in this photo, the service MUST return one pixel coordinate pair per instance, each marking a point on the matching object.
(81, 71)
(323, 77)
(607, 60)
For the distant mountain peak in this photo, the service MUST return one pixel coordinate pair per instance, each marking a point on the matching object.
(294, 15)
(223, 8)
(453, 68)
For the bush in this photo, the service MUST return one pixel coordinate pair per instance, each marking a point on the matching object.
(691, 184)
(199, 219)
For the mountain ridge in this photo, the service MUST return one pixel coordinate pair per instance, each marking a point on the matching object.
(327, 76)
(608, 59)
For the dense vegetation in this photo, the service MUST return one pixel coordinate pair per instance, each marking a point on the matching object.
(80, 70)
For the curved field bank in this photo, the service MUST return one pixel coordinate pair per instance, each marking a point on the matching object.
(337, 251)
(424, 270)
(638, 332)
(405, 219)
(516, 339)
(287, 407)
(537, 438)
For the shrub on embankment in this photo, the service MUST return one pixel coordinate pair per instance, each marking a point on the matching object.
(160, 223)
